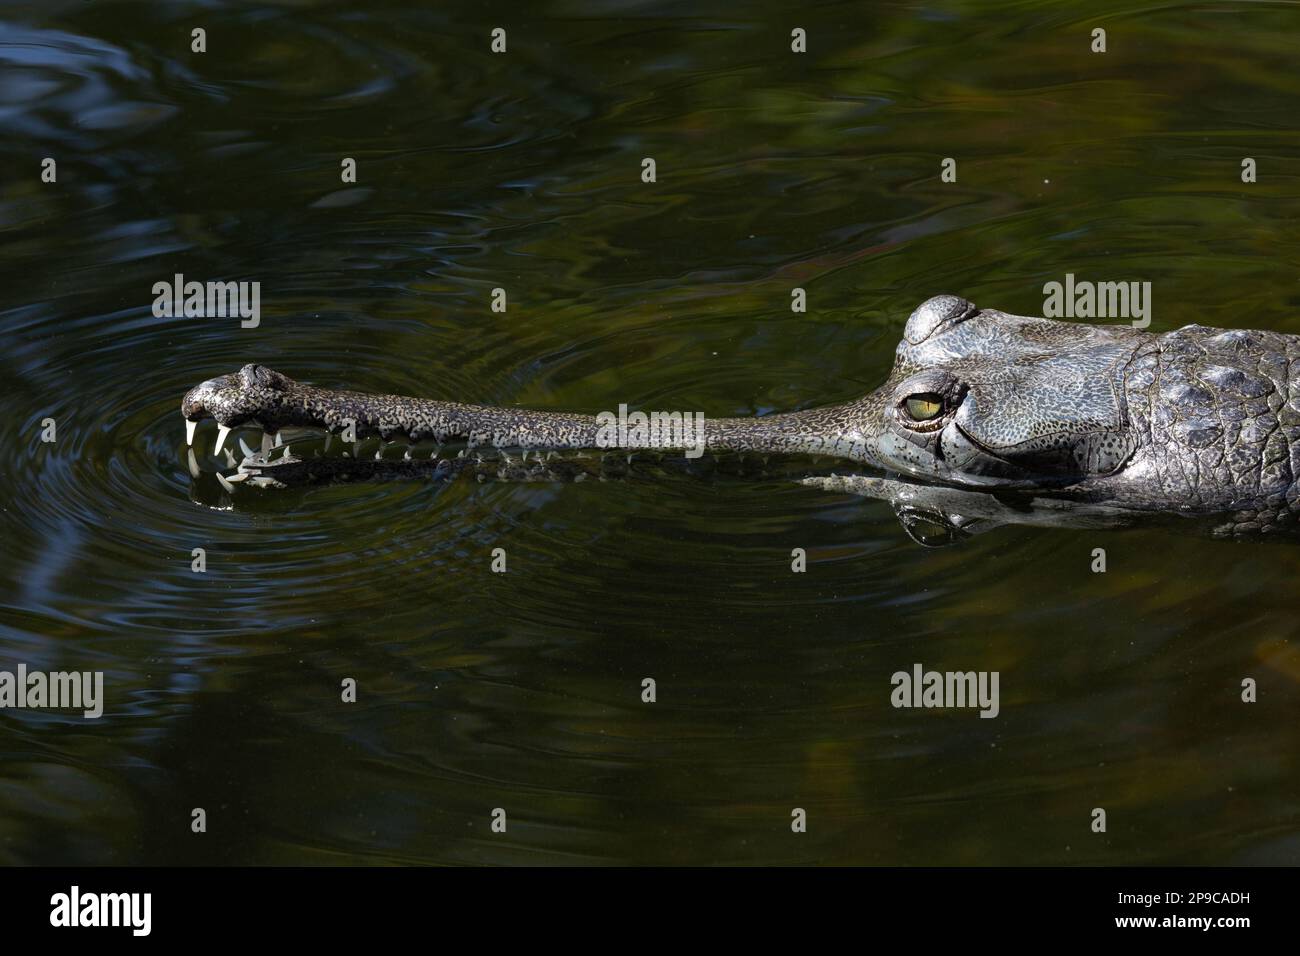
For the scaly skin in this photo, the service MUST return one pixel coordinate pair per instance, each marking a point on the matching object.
(1196, 421)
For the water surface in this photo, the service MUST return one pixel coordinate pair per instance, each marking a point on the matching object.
(523, 691)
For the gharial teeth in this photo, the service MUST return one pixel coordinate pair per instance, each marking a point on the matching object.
(194, 464)
(267, 444)
(222, 432)
(225, 482)
(189, 431)
(248, 452)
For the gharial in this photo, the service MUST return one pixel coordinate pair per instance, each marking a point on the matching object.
(986, 418)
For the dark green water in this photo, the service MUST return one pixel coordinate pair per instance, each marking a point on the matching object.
(522, 691)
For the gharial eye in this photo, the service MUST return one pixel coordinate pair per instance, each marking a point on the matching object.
(923, 406)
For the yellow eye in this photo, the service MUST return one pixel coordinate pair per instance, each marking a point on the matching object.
(924, 406)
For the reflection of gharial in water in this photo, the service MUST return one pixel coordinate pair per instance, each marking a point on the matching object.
(986, 418)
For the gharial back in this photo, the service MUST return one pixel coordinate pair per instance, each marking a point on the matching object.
(1219, 420)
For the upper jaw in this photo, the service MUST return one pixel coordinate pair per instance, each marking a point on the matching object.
(216, 398)
(205, 398)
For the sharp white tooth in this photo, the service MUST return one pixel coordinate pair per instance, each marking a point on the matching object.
(406, 456)
(379, 455)
(222, 432)
(267, 444)
(278, 439)
(236, 478)
(189, 431)
(248, 452)
(224, 482)
(194, 463)
(230, 459)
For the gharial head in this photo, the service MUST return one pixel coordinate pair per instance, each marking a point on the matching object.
(976, 398)
(980, 397)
